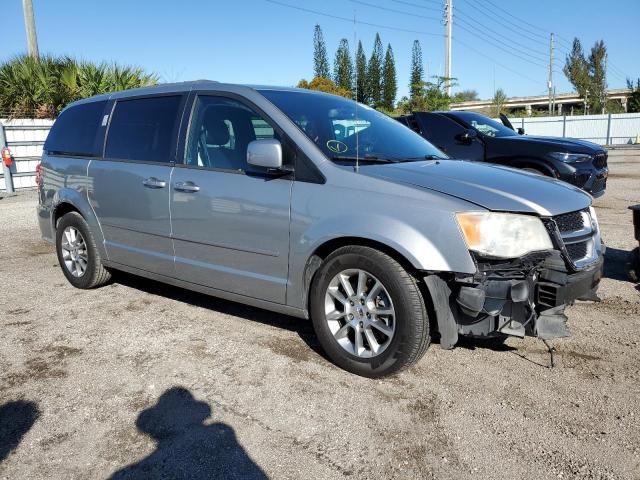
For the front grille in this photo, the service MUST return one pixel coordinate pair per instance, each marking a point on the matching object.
(570, 222)
(600, 160)
(577, 251)
(578, 236)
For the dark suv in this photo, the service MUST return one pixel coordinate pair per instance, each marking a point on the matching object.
(471, 136)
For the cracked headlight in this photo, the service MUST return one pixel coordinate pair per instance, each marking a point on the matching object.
(570, 157)
(503, 235)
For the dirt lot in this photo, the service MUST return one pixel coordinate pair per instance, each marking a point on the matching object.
(141, 375)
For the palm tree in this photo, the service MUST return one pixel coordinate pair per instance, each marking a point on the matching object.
(42, 87)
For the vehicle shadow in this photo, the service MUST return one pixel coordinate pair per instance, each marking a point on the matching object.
(186, 446)
(16, 419)
(303, 328)
(616, 264)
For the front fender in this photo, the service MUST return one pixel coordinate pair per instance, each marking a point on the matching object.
(421, 251)
(429, 243)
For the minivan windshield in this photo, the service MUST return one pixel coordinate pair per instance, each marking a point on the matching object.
(346, 130)
(485, 125)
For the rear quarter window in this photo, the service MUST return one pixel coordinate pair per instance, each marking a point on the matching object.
(75, 132)
(440, 130)
(143, 129)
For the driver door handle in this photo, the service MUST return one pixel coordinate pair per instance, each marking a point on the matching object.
(187, 187)
(153, 182)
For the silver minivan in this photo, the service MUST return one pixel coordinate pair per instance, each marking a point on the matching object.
(315, 206)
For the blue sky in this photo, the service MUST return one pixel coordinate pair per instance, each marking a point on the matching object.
(256, 41)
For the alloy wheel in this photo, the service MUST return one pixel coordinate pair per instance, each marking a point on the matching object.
(360, 313)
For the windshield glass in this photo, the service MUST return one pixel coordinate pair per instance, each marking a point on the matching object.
(344, 129)
(485, 125)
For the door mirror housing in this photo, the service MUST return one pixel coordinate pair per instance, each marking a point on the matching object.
(265, 153)
(520, 131)
(467, 136)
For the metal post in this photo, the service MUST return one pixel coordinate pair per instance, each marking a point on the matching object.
(8, 179)
(30, 27)
(564, 126)
(551, 75)
(448, 24)
(608, 129)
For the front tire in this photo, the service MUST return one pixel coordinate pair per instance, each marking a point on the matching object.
(368, 312)
(78, 255)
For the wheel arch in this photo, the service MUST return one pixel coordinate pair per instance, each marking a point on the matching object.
(69, 200)
(531, 162)
(325, 249)
(61, 210)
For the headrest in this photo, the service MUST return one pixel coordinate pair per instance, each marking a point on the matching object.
(217, 131)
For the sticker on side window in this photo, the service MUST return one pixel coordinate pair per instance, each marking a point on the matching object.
(105, 119)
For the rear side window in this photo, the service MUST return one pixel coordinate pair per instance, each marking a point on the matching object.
(143, 129)
(75, 131)
(440, 130)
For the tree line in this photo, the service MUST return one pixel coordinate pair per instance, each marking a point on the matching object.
(374, 81)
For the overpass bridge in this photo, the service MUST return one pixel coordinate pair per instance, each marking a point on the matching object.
(564, 102)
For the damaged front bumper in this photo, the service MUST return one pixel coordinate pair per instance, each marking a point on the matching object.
(522, 297)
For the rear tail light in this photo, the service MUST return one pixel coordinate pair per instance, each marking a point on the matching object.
(39, 175)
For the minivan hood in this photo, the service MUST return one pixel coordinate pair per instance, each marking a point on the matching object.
(493, 187)
(571, 145)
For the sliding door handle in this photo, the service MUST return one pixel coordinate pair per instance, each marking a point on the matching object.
(189, 187)
(153, 182)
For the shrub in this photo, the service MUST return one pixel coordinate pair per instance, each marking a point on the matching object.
(41, 88)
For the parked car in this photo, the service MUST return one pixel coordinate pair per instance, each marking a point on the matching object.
(471, 136)
(308, 204)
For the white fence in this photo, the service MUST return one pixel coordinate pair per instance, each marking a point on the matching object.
(25, 138)
(607, 129)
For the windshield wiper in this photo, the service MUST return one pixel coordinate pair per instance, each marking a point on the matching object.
(427, 157)
(365, 158)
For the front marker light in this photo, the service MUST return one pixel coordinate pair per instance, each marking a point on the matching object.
(503, 235)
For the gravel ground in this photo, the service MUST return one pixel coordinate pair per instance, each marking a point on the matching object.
(138, 379)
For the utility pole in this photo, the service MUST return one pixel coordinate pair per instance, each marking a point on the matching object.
(30, 27)
(448, 28)
(551, 75)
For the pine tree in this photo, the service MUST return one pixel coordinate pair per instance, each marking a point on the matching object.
(362, 94)
(320, 61)
(389, 81)
(374, 74)
(598, 74)
(343, 66)
(417, 71)
(576, 68)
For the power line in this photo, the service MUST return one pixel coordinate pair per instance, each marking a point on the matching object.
(394, 10)
(501, 39)
(516, 72)
(519, 20)
(500, 47)
(506, 25)
(415, 5)
(351, 20)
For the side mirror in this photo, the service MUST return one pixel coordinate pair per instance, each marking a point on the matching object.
(467, 136)
(266, 153)
(520, 131)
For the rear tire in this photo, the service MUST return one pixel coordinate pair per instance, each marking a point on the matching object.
(388, 310)
(78, 255)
